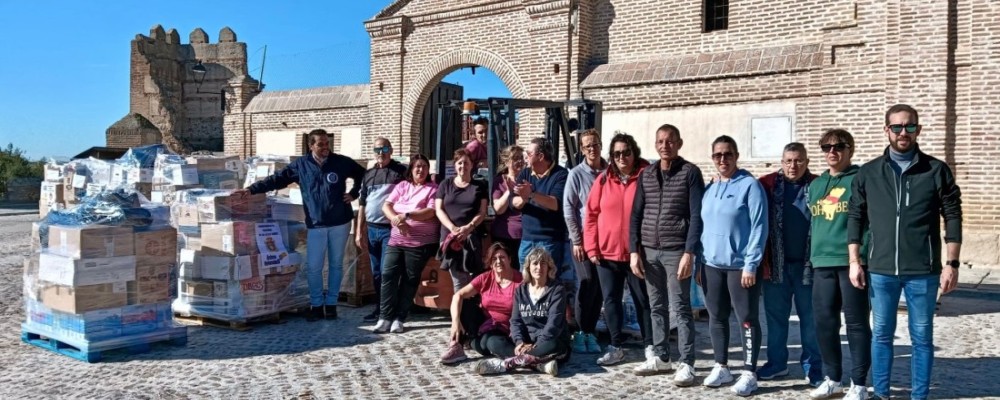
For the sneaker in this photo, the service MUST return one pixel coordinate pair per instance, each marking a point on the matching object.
(649, 353)
(551, 368)
(856, 393)
(314, 314)
(371, 317)
(719, 376)
(826, 389)
(397, 327)
(613, 356)
(592, 346)
(769, 371)
(382, 326)
(490, 366)
(684, 375)
(746, 385)
(579, 343)
(454, 354)
(879, 397)
(652, 366)
(330, 311)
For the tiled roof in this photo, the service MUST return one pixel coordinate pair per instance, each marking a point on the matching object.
(310, 99)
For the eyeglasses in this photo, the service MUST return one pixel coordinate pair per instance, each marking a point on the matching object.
(897, 128)
(720, 156)
(838, 147)
(620, 154)
(793, 162)
(382, 150)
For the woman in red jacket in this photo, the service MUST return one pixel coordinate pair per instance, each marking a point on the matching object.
(605, 239)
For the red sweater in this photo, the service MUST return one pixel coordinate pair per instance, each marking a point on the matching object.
(606, 217)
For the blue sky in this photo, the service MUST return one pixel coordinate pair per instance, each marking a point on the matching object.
(64, 74)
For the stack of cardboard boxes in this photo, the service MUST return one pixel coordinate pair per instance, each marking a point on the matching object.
(98, 282)
(173, 173)
(52, 190)
(233, 265)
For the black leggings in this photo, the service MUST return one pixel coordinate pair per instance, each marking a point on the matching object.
(832, 291)
(589, 298)
(613, 277)
(493, 344)
(401, 269)
(725, 294)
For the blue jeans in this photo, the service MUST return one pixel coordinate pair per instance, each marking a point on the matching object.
(378, 242)
(778, 300)
(921, 298)
(562, 255)
(329, 242)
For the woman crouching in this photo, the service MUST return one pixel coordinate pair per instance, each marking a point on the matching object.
(537, 322)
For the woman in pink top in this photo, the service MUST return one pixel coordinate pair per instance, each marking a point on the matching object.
(412, 241)
(496, 291)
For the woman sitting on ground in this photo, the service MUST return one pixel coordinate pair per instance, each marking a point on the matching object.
(537, 323)
(496, 291)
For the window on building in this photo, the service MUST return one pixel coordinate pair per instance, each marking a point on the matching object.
(716, 15)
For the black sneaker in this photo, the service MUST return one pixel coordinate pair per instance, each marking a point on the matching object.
(331, 312)
(314, 314)
(373, 316)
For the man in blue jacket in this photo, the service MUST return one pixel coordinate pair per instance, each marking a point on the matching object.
(902, 196)
(322, 177)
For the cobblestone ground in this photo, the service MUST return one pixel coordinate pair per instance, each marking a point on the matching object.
(343, 359)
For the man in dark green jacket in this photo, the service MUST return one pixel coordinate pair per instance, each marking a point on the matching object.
(902, 196)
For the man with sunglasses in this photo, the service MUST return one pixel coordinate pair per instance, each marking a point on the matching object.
(787, 272)
(322, 175)
(902, 196)
(373, 227)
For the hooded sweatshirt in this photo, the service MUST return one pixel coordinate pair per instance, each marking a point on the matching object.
(828, 204)
(735, 217)
(535, 322)
(608, 213)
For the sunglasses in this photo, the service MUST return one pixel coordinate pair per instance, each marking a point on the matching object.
(620, 154)
(838, 147)
(897, 128)
(720, 156)
(592, 146)
(382, 150)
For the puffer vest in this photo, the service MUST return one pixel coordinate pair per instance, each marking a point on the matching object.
(666, 216)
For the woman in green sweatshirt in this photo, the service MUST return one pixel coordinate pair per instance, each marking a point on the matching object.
(832, 289)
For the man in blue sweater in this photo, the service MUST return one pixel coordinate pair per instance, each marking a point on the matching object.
(322, 177)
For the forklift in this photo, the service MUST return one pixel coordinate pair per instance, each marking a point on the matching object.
(435, 289)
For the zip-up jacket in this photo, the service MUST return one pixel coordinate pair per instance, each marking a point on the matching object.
(578, 184)
(666, 212)
(735, 216)
(536, 322)
(323, 187)
(606, 219)
(774, 251)
(904, 214)
(375, 188)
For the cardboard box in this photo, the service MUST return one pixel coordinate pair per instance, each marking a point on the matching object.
(227, 208)
(226, 180)
(198, 288)
(227, 268)
(53, 192)
(91, 325)
(68, 271)
(36, 238)
(185, 215)
(155, 245)
(187, 265)
(81, 299)
(205, 164)
(143, 318)
(180, 174)
(287, 211)
(139, 175)
(53, 173)
(152, 285)
(188, 241)
(92, 241)
(235, 238)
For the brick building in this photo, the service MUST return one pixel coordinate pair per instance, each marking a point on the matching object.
(766, 72)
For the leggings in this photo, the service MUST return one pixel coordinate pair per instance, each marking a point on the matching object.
(590, 298)
(613, 277)
(832, 290)
(725, 294)
(493, 343)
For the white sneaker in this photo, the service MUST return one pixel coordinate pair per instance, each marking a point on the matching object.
(613, 356)
(652, 366)
(684, 375)
(649, 353)
(397, 327)
(382, 326)
(826, 389)
(746, 385)
(491, 366)
(856, 393)
(551, 368)
(719, 376)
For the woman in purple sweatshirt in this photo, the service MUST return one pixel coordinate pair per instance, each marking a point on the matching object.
(538, 322)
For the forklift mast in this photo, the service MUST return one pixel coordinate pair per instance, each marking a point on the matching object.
(502, 113)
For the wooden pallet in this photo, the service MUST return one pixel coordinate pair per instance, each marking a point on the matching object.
(236, 324)
(94, 351)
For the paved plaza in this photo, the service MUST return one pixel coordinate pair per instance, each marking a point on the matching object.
(342, 359)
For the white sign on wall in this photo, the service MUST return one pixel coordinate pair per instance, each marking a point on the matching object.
(769, 135)
(279, 143)
(350, 144)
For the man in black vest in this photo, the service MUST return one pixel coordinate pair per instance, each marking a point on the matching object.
(663, 237)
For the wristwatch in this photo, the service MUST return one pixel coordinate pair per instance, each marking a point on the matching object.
(953, 263)
(406, 216)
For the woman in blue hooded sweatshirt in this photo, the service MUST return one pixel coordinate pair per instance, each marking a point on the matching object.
(734, 209)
